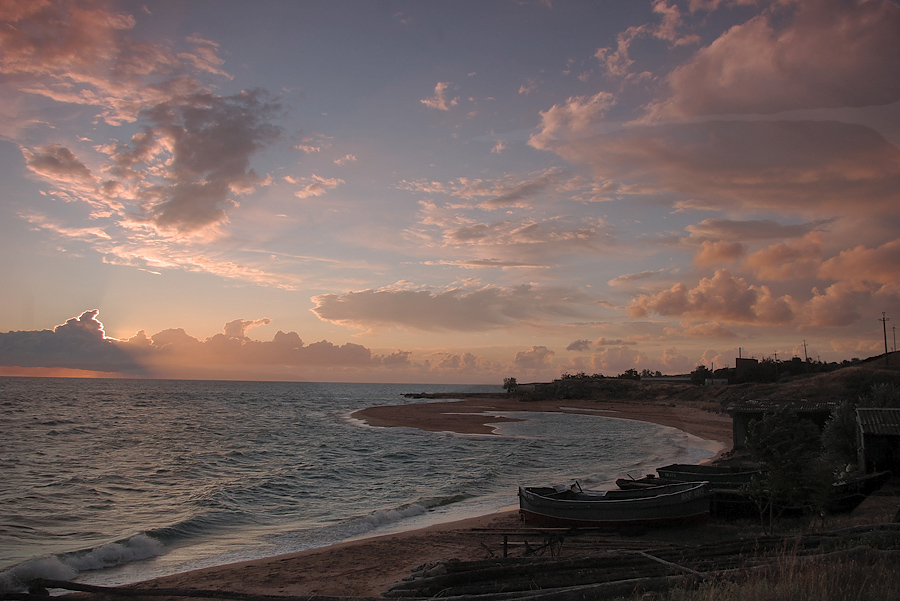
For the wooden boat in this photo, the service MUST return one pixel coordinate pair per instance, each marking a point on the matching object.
(847, 494)
(718, 476)
(674, 504)
(730, 500)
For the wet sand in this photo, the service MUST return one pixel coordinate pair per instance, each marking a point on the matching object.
(367, 567)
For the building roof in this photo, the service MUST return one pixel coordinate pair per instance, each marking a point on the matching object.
(881, 421)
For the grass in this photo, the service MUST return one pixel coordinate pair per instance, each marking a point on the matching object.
(855, 568)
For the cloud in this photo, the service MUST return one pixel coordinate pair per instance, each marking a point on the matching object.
(79, 54)
(816, 168)
(788, 260)
(439, 100)
(201, 145)
(718, 251)
(865, 266)
(455, 309)
(79, 343)
(753, 229)
(238, 328)
(347, 158)
(579, 345)
(536, 359)
(799, 55)
(508, 191)
(179, 175)
(723, 297)
(316, 186)
(701, 330)
(618, 62)
(576, 117)
(617, 359)
(58, 163)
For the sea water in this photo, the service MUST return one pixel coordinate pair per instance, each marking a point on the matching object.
(117, 481)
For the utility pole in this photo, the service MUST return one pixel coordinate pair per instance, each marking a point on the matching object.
(884, 321)
(895, 338)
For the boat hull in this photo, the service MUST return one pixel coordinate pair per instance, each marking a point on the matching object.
(677, 504)
(717, 476)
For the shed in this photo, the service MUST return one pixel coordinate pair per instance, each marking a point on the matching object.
(878, 439)
(745, 412)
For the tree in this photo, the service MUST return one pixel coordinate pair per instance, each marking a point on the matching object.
(839, 437)
(700, 375)
(509, 385)
(793, 474)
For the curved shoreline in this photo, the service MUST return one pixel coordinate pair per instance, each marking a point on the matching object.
(476, 414)
(367, 567)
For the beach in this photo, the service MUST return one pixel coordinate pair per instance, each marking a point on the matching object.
(367, 567)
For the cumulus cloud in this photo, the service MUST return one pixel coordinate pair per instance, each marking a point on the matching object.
(617, 359)
(788, 260)
(724, 297)
(800, 55)
(79, 343)
(536, 359)
(579, 345)
(861, 265)
(576, 117)
(439, 100)
(455, 309)
(714, 252)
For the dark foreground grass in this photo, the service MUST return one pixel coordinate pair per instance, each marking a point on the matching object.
(864, 569)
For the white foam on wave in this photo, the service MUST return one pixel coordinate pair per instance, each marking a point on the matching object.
(135, 548)
(67, 566)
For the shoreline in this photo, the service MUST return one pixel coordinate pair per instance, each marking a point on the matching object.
(368, 566)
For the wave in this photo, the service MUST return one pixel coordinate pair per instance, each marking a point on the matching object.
(66, 566)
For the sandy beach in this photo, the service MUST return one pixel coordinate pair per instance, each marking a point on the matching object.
(368, 567)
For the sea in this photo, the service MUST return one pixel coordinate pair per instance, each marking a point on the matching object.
(111, 481)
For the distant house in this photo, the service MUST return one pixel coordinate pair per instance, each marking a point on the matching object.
(878, 439)
(744, 413)
(744, 368)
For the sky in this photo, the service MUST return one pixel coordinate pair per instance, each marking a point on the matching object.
(445, 191)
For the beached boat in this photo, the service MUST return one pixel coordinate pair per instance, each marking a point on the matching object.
(847, 494)
(718, 476)
(730, 500)
(657, 506)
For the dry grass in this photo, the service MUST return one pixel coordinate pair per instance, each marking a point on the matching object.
(859, 569)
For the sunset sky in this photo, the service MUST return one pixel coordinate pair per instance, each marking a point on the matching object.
(445, 191)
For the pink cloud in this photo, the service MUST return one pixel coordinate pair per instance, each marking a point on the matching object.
(800, 167)
(455, 309)
(862, 265)
(809, 54)
(788, 260)
(717, 252)
(723, 297)
(536, 359)
(439, 100)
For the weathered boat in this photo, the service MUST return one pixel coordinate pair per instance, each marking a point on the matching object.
(674, 504)
(731, 500)
(718, 476)
(849, 493)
